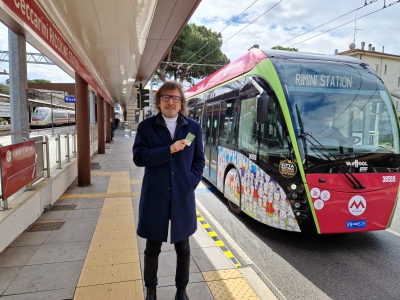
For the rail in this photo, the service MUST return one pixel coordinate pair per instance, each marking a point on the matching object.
(54, 149)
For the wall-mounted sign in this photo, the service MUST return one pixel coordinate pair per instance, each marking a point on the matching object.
(18, 166)
(69, 99)
(4, 109)
(33, 16)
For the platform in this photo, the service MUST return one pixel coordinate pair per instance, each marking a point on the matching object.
(85, 246)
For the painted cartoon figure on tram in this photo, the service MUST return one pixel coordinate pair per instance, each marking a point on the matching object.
(262, 198)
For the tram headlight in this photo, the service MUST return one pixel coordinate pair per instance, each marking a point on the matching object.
(294, 195)
(297, 205)
(293, 186)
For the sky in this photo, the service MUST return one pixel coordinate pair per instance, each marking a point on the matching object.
(270, 23)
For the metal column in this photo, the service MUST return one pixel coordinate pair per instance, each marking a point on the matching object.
(18, 83)
(82, 124)
(100, 125)
(108, 123)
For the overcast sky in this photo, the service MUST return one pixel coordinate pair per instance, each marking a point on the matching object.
(285, 20)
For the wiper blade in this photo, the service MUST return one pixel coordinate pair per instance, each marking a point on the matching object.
(302, 132)
(353, 180)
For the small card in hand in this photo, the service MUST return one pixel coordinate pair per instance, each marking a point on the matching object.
(189, 139)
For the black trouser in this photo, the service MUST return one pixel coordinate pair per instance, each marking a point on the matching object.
(151, 253)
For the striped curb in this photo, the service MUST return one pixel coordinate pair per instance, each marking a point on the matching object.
(217, 240)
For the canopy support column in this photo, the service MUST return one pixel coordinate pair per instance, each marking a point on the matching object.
(83, 133)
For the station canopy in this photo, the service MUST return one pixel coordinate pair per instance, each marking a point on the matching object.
(119, 43)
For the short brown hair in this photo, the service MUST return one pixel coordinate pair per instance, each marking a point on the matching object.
(168, 86)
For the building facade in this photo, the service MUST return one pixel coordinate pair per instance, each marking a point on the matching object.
(386, 65)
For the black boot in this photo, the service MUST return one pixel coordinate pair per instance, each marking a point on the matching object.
(151, 294)
(181, 295)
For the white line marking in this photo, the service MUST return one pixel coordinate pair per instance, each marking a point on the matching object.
(393, 232)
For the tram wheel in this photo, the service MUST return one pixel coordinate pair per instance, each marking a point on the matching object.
(232, 190)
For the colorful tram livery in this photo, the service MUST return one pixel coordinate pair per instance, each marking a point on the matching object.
(301, 142)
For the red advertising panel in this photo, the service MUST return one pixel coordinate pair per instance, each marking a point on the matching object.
(17, 166)
(341, 208)
(32, 15)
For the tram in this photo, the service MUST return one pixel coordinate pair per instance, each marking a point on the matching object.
(301, 142)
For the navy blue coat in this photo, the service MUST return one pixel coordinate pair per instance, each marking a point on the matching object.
(169, 179)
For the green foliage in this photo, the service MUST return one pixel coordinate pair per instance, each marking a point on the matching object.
(4, 89)
(38, 81)
(3, 121)
(285, 48)
(192, 39)
(156, 80)
(33, 81)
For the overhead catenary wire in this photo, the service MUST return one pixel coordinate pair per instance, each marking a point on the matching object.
(179, 63)
(222, 30)
(365, 4)
(239, 31)
(386, 6)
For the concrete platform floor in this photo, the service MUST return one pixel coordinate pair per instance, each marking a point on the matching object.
(86, 247)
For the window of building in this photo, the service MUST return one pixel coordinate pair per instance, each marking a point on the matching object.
(385, 69)
(377, 68)
(398, 82)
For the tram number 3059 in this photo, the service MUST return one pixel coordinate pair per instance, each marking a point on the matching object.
(388, 178)
(252, 156)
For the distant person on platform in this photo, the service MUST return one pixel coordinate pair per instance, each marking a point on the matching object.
(116, 122)
(174, 163)
(112, 130)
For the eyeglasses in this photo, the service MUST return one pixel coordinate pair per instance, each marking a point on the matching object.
(175, 99)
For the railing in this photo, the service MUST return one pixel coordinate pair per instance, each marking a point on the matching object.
(58, 146)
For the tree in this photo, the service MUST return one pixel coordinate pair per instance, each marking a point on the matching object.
(33, 81)
(4, 89)
(195, 45)
(285, 48)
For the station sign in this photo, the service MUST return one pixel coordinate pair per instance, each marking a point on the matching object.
(69, 99)
(4, 109)
(18, 167)
(33, 16)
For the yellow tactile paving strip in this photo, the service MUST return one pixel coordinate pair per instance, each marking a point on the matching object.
(217, 240)
(228, 285)
(112, 269)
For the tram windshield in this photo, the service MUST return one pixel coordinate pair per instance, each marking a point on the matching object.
(342, 108)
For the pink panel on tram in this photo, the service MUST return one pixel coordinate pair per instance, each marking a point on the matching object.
(341, 208)
(243, 64)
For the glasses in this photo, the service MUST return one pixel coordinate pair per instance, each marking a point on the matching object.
(175, 99)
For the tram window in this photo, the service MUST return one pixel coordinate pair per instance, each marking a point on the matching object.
(198, 113)
(191, 114)
(228, 122)
(265, 139)
(247, 126)
(273, 138)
